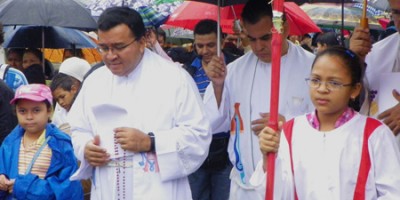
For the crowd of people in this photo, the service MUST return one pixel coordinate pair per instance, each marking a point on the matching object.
(158, 122)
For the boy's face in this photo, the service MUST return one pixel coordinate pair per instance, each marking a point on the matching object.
(64, 97)
(32, 116)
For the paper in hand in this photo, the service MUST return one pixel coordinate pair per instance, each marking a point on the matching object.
(108, 117)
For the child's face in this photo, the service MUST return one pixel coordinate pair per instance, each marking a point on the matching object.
(64, 97)
(330, 101)
(32, 116)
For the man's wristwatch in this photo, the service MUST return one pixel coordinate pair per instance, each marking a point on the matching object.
(152, 142)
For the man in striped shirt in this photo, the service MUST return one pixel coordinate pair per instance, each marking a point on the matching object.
(211, 180)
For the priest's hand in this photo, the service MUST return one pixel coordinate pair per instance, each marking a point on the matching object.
(216, 70)
(360, 42)
(94, 154)
(269, 139)
(132, 139)
(391, 117)
(258, 124)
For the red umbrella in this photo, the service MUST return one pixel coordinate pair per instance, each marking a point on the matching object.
(299, 22)
(384, 22)
(190, 13)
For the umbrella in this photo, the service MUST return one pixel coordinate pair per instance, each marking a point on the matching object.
(189, 13)
(55, 37)
(330, 15)
(56, 55)
(164, 7)
(379, 4)
(299, 22)
(151, 18)
(61, 13)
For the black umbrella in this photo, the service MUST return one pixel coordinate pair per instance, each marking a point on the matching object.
(56, 38)
(63, 13)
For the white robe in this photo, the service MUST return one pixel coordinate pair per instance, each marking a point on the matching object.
(380, 60)
(159, 98)
(326, 164)
(59, 118)
(248, 82)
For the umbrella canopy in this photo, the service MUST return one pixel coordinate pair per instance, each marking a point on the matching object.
(61, 13)
(379, 4)
(299, 22)
(164, 7)
(54, 37)
(57, 55)
(189, 13)
(330, 15)
(151, 18)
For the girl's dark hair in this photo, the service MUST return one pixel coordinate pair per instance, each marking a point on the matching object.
(352, 62)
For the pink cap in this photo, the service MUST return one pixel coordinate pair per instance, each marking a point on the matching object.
(33, 92)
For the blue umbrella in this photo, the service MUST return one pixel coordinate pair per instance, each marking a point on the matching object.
(45, 37)
(151, 17)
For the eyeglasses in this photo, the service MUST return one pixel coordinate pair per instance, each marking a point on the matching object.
(330, 85)
(114, 48)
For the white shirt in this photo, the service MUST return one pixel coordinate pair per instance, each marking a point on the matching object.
(60, 116)
(383, 58)
(161, 98)
(326, 164)
(248, 83)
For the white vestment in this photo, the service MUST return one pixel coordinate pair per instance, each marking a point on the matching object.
(380, 60)
(60, 118)
(326, 164)
(160, 98)
(248, 82)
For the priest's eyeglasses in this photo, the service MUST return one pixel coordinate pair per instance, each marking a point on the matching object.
(103, 49)
(330, 85)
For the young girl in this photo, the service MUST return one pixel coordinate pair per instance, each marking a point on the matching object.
(334, 152)
(37, 159)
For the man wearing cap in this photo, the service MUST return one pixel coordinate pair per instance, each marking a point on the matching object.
(65, 87)
(138, 125)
